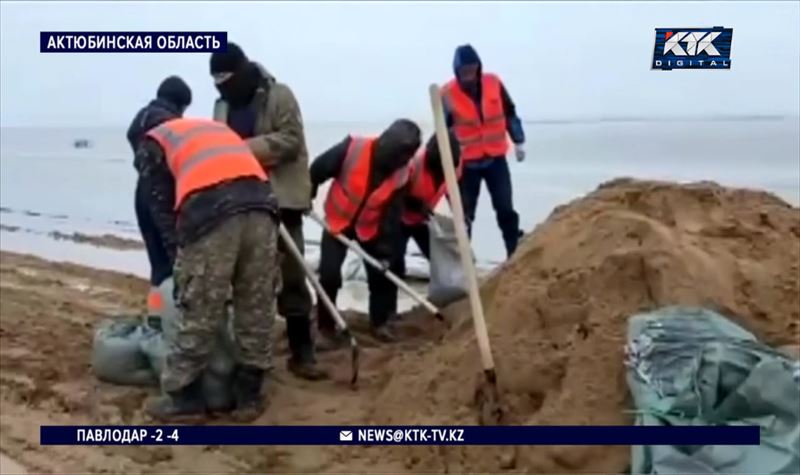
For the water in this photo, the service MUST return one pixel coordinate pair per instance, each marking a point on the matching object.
(47, 184)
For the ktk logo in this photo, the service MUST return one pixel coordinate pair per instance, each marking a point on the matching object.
(692, 48)
(696, 43)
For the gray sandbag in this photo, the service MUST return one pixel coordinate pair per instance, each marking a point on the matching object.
(218, 375)
(448, 281)
(152, 347)
(116, 354)
(691, 366)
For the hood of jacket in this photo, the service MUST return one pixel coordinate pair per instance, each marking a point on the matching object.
(155, 113)
(161, 107)
(466, 54)
(267, 78)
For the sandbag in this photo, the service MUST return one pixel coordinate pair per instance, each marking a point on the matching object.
(448, 282)
(116, 354)
(690, 366)
(218, 375)
(153, 349)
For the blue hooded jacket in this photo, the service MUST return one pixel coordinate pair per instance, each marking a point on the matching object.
(466, 54)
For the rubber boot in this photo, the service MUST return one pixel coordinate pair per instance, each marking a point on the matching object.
(184, 404)
(302, 362)
(249, 402)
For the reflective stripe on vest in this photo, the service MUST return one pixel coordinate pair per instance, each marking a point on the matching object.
(348, 192)
(201, 153)
(478, 139)
(369, 219)
(422, 188)
(349, 188)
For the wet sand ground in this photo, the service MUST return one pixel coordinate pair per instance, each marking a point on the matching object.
(48, 313)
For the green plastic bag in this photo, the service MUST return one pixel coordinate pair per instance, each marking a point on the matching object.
(116, 354)
(692, 366)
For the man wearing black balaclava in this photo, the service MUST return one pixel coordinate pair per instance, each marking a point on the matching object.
(373, 171)
(480, 112)
(266, 114)
(172, 98)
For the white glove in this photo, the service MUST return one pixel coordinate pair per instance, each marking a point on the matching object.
(519, 151)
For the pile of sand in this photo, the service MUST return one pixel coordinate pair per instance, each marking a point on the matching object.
(557, 314)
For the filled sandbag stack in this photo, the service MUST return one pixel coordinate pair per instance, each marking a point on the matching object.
(132, 352)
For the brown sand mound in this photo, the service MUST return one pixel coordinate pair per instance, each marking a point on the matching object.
(557, 313)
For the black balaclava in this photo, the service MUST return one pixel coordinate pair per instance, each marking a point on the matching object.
(239, 89)
(396, 145)
(175, 91)
(433, 162)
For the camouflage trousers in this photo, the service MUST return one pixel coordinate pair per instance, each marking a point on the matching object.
(238, 256)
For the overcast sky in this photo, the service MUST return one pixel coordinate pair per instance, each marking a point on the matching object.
(360, 61)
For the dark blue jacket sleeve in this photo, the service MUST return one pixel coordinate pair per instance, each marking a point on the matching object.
(134, 133)
(159, 186)
(513, 122)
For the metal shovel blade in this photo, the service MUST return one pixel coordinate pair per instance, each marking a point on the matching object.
(487, 400)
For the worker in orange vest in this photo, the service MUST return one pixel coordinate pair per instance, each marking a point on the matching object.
(364, 203)
(426, 186)
(480, 112)
(213, 203)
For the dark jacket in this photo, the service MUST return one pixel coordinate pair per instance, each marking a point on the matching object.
(202, 210)
(465, 54)
(328, 165)
(153, 114)
(278, 141)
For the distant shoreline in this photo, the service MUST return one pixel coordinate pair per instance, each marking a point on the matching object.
(536, 121)
(106, 240)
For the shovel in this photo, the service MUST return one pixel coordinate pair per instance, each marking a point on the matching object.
(486, 395)
(337, 317)
(355, 247)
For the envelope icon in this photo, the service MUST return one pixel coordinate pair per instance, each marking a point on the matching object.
(345, 435)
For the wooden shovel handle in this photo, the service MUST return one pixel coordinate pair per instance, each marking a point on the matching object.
(461, 229)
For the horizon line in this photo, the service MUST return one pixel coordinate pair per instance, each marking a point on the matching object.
(564, 120)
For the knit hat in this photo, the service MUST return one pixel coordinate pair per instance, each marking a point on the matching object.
(227, 61)
(176, 91)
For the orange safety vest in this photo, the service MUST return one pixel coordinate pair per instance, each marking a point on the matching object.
(201, 153)
(478, 139)
(348, 192)
(422, 187)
